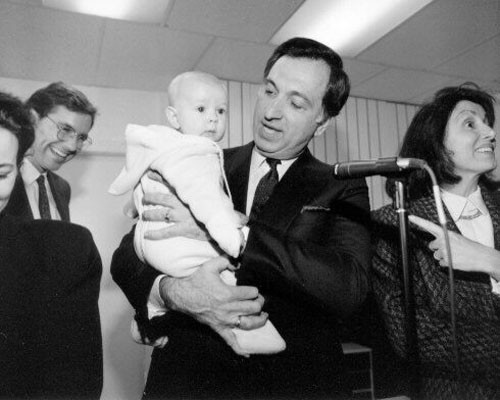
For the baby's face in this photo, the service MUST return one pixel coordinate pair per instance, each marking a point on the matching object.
(202, 110)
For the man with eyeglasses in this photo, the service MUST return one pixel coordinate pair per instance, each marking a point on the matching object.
(63, 118)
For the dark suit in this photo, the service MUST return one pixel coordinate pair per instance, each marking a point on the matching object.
(478, 309)
(19, 205)
(308, 253)
(50, 336)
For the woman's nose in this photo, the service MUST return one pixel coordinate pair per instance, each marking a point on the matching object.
(488, 132)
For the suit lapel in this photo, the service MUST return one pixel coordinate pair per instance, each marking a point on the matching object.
(492, 205)
(18, 203)
(62, 208)
(426, 207)
(237, 166)
(297, 187)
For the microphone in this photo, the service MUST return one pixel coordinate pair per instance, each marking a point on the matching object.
(388, 166)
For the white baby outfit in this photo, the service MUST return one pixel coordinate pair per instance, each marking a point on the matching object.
(193, 167)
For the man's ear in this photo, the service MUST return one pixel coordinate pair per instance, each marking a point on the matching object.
(321, 128)
(172, 119)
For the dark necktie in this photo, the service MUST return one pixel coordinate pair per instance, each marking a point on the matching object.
(265, 187)
(43, 199)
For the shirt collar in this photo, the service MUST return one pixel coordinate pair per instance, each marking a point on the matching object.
(456, 203)
(29, 173)
(258, 161)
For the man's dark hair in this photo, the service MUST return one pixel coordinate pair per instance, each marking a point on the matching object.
(56, 94)
(16, 118)
(426, 134)
(338, 87)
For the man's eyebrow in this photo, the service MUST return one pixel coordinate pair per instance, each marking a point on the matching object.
(269, 80)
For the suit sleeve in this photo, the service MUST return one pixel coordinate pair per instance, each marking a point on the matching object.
(70, 332)
(322, 258)
(134, 277)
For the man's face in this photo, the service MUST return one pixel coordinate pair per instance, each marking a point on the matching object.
(48, 152)
(289, 110)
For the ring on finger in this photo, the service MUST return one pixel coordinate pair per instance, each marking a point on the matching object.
(238, 322)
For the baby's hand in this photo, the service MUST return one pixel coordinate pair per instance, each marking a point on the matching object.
(243, 219)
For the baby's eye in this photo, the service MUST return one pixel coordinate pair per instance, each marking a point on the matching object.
(201, 109)
(221, 111)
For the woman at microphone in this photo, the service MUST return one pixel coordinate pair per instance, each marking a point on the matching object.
(453, 134)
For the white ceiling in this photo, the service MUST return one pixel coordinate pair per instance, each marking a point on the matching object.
(447, 42)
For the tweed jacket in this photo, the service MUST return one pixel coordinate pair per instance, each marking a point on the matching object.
(477, 307)
(19, 205)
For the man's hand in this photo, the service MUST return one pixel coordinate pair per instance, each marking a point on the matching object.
(206, 298)
(171, 210)
(466, 254)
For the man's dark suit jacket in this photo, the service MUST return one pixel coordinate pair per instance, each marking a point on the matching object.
(19, 205)
(308, 253)
(50, 335)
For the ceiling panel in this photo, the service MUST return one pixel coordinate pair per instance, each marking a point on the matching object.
(453, 82)
(47, 45)
(439, 32)
(399, 85)
(361, 71)
(447, 42)
(481, 62)
(234, 60)
(250, 20)
(146, 57)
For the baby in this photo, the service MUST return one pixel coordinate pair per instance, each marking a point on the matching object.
(191, 163)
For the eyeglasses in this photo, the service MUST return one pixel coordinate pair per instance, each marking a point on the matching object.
(66, 132)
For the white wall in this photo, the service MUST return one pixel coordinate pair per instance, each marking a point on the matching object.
(365, 129)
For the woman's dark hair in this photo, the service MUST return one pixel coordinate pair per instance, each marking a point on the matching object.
(16, 118)
(56, 94)
(426, 134)
(338, 87)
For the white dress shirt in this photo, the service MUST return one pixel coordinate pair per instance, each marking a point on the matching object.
(479, 229)
(30, 174)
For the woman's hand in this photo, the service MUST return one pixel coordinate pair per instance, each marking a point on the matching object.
(466, 254)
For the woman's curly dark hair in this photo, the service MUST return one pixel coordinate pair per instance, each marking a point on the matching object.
(16, 118)
(426, 134)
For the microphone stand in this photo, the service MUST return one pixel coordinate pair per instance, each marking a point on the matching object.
(409, 300)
